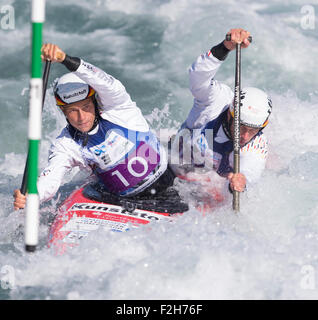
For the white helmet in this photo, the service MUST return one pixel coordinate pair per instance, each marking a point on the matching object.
(70, 88)
(256, 106)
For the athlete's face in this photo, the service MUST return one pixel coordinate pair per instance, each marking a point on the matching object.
(246, 133)
(81, 115)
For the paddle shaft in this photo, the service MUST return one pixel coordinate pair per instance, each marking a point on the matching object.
(237, 104)
(45, 81)
(236, 135)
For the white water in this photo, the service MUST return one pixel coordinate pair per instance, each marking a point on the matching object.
(265, 251)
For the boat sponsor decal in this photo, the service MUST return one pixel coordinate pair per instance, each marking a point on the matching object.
(81, 226)
(113, 209)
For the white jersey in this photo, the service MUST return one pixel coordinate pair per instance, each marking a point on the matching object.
(211, 102)
(117, 108)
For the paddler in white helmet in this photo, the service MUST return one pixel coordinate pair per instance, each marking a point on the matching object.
(106, 133)
(210, 123)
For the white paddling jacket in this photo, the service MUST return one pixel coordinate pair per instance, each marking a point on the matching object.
(121, 150)
(206, 143)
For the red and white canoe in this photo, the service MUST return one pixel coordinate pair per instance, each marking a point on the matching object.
(79, 215)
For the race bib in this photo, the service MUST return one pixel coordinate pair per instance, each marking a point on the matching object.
(131, 170)
(112, 150)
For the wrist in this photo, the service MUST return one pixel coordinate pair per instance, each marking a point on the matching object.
(71, 63)
(220, 51)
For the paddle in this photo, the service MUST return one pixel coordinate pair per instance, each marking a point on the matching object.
(236, 136)
(45, 81)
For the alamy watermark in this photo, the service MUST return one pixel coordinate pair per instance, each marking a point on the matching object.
(307, 22)
(308, 279)
(308, 18)
(7, 277)
(7, 17)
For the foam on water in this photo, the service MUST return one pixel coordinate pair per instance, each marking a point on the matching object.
(261, 253)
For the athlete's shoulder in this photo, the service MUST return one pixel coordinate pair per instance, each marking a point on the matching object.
(63, 141)
(63, 136)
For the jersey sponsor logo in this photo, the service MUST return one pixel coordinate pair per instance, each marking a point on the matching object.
(112, 141)
(46, 172)
(100, 149)
(89, 66)
(113, 149)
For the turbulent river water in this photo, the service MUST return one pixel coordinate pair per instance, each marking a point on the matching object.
(267, 251)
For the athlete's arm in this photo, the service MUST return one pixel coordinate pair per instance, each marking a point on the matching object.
(206, 66)
(210, 95)
(111, 92)
(201, 73)
(64, 155)
(49, 180)
(114, 102)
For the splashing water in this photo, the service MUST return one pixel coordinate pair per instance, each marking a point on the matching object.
(266, 250)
